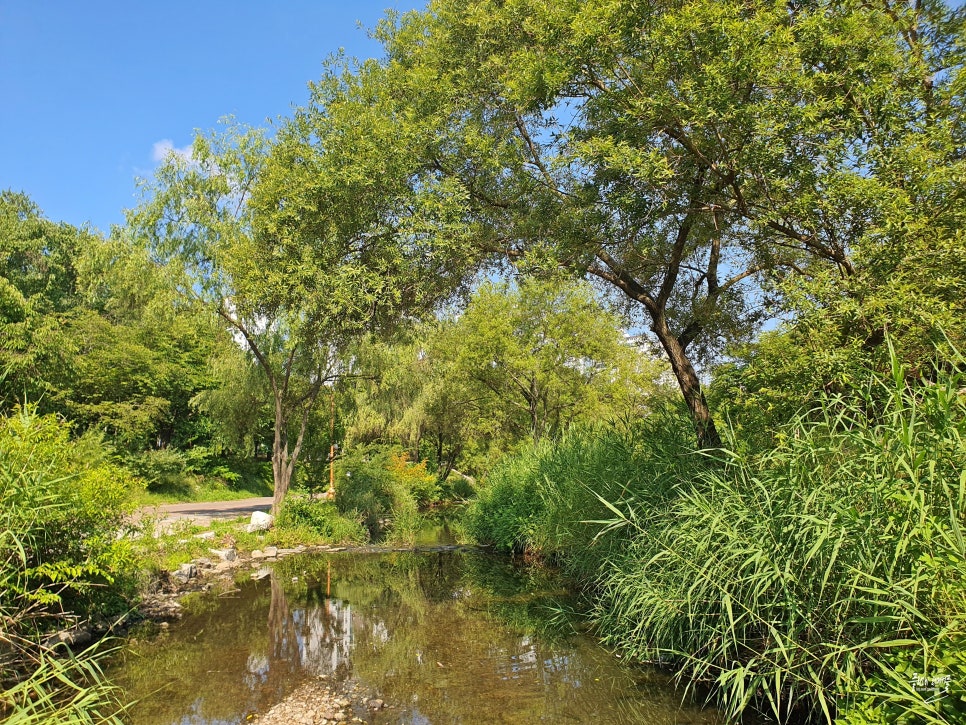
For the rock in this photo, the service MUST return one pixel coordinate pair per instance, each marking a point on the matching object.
(271, 552)
(160, 608)
(225, 554)
(376, 704)
(258, 554)
(261, 573)
(260, 521)
(225, 566)
(205, 535)
(78, 635)
(185, 573)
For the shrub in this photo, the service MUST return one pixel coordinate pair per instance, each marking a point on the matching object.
(414, 478)
(165, 469)
(363, 490)
(61, 505)
(321, 518)
(376, 487)
(794, 576)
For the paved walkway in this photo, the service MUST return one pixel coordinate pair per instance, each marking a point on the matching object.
(202, 514)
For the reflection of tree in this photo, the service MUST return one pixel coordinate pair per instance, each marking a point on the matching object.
(280, 625)
(314, 637)
(459, 632)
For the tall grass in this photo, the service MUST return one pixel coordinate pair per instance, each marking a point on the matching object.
(61, 502)
(549, 499)
(816, 577)
(797, 577)
(65, 689)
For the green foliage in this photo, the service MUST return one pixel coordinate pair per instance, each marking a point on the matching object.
(706, 160)
(522, 361)
(323, 519)
(164, 468)
(381, 488)
(508, 508)
(414, 478)
(534, 358)
(61, 504)
(37, 287)
(63, 501)
(912, 685)
(791, 576)
(69, 690)
(550, 498)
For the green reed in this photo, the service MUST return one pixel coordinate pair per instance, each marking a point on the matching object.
(793, 577)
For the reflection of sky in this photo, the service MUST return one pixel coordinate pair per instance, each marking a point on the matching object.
(324, 637)
(445, 660)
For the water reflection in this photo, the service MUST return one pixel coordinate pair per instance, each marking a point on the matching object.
(447, 637)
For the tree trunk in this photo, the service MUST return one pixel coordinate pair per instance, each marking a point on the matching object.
(281, 471)
(690, 386)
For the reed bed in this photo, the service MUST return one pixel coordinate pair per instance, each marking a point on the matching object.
(818, 579)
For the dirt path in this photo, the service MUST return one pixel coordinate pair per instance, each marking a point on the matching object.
(203, 513)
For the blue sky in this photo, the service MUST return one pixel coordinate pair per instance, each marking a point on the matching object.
(88, 90)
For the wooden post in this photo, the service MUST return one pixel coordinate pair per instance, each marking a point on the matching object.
(330, 494)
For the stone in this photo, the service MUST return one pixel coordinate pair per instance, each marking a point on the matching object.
(376, 704)
(258, 554)
(225, 554)
(78, 635)
(260, 521)
(261, 573)
(225, 566)
(205, 535)
(271, 552)
(185, 573)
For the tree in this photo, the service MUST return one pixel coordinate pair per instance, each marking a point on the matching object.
(37, 288)
(690, 155)
(92, 330)
(520, 362)
(273, 244)
(542, 355)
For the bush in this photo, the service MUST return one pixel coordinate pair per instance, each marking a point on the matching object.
(799, 576)
(322, 519)
(362, 491)
(61, 505)
(414, 478)
(165, 469)
(550, 498)
(376, 487)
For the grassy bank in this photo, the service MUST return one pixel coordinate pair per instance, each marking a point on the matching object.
(816, 578)
(62, 501)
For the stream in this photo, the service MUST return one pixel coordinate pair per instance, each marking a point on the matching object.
(452, 636)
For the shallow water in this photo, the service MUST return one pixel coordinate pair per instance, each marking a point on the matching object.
(442, 637)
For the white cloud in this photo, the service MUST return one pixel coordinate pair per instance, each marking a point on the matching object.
(163, 148)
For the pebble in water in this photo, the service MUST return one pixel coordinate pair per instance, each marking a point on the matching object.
(317, 703)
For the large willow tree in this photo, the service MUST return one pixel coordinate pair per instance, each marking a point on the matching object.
(694, 156)
(293, 251)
